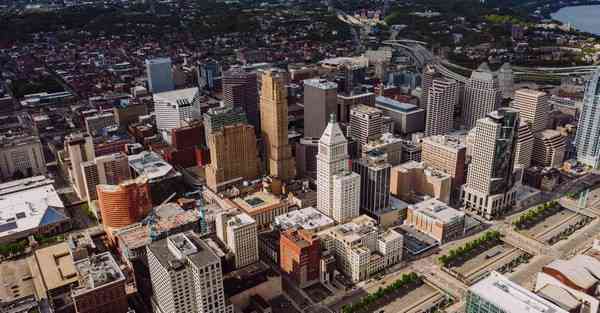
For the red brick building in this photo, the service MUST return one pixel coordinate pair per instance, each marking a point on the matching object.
(300, 256)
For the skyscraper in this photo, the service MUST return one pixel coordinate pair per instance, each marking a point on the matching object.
(365, 123)
(482, 95)
(524, 147)
(320, 101)
(587, 138)
(533, 108)
(346, 196)
(173, 108)
(274, 125)
(506, 80)
(374, 171)
(441, 102)
(79, 148)
(208, 72)
(549, 148)
(429, 74)
(489, 188)
(332, 159)
(160, 75)
(217, 118)
(240, 89)
(186, 276)
(233, 155)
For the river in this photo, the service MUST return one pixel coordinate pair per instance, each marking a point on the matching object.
(585, 18)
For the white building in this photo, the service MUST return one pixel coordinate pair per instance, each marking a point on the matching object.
(160, 75)
(482, 95)
(366, 123)
(497, 293)
(587, 138)
(173, 108)
(360, 249)
(30, 206)
(186, 276)
(332, 159)
(524, 147)
(239, 233)
(441, 103)
(533, 108)
(308, 218)
(22, 154)
(489, 190)
(346, 196)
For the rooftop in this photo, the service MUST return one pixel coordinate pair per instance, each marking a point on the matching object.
(454, 142)
(320, 83)
(167, 217)
(151, 165)
(307, 218)
(240, 220)
(354, 230)
(391, 104)
(179, 96)
(510, 297)
(172, 251)
(15, 280)
(257, 202)
(29, 203)
(438, 210)
(365, 109)
(581, 269)
(52, 267)
(97, 271)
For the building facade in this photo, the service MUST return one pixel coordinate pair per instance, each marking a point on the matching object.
(109, 169)
(549, 148)
(300, 256)
(240, 90)
(320, 101)
(238, 232)
(436, 219)
(482, 96)
(186, 276)
(533, 108)
(274, 125)
(21, 156)
(124, 204)
(160, 75)
(587, 138)
(374, 171)
(489, 190)
(442, 100)
(346, 196)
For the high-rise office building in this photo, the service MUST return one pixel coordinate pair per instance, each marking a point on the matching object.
(447, 154)
(365, 123)
(173, 108)
(274, 125)
(549, 148)
(109, 169)
(346, 196)
(332, 159)
(347, 102)
(233, 155)
(374, 171)
(533, 108)
(506, 80)
(524, 147)
(320, 101)
(186, 276)
(79, 148)
(217, 118)
(124, 204)
(482, 95)
(587, 138)
(208, 72)
(427, 77)
(239, 233)
(240, 89)
(489, 190)
(300, 256)
(160, 75)
(21, 156)
(441, 103)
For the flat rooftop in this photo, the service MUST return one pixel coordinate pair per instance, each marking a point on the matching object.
(167, 217)
(438, 210)
(169, 250)
(355, 229)
(15, 280)
(27, 204)
(97, 271)
(394, 105)
(52, 267)
(453, 142)
(510, 297)
(320, 83)
(240, 220)
(258, 202)
(181, 97)
(307, 218)
(151, 165)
